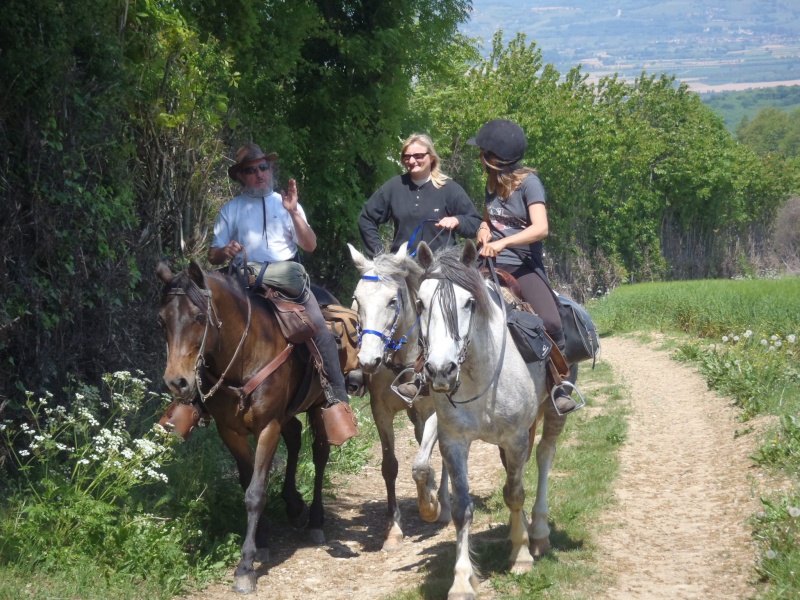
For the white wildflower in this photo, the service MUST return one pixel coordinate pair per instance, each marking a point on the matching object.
(724, 338)
(736, 338)
(771, 554)
(24, 453)
(773, 337)
(794, 512)
(771, 348)
(763, 342)
(748, 334)
(791, 338)
(778, 344)
(83, 461)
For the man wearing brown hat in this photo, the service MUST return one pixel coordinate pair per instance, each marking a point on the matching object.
(269, 227)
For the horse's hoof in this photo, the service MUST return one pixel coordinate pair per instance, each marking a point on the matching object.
(445, 516)
(522, 566)
(394, 539)
(461, 596)
(539, 547)
(430, 512)
(262, 555)
(244, 584)
(317, 536)
(301, 520)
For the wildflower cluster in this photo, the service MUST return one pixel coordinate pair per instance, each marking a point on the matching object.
(748, 366)
(70, 449)
(779, 524)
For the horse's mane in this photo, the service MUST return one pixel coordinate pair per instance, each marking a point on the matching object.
(447, 265)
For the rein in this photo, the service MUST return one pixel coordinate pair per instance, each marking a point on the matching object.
(416, 231)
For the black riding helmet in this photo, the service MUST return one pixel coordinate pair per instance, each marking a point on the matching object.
(503, 138)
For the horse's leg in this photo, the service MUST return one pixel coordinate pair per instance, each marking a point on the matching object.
(429, 507)
(240, 449)
(255, 498)
(321, 451)
(516, 456)
(545, 453)
(383, 413)
(296, 508)
(465, 581)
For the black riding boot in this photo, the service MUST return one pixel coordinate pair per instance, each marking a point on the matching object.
(563, 401)
(340, 421)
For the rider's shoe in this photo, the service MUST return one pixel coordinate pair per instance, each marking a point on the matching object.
(564, 402)
(340, 423)
(412, 389)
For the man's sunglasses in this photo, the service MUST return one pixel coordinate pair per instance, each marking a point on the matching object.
(253, 170)
(417, 156)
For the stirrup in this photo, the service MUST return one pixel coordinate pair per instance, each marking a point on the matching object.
(575, 389)
(416, 379)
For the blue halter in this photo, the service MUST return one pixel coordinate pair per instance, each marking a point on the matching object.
(388, 340)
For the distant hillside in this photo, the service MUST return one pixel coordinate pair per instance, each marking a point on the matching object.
(721, 42)
(733, 106)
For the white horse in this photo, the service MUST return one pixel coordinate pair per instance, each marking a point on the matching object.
(482, 389)
(385, 297)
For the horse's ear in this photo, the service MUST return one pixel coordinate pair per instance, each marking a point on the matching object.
(359, 260)
(196, 274)
(469, 254)
(402, 252)
(163, 271)
(424, 255)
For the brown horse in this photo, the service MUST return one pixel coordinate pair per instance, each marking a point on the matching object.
(219, 340)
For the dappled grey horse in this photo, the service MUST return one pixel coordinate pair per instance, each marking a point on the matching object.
(385, 297)
(483, 389)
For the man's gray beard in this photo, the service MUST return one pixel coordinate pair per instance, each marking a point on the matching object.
(258, 192)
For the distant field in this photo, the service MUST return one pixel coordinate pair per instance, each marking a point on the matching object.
(732, 106)
(711, 44)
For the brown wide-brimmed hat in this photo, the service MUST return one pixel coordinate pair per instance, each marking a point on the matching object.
(246, 154)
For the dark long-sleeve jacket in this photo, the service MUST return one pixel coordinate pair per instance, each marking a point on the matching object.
(408, 207)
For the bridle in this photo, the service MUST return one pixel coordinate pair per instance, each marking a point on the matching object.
(447, 303)
(202, 299)
(390, 345)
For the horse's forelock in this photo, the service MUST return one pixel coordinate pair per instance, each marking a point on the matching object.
(447, 265)
(389, 268)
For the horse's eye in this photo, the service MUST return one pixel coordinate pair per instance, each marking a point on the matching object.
(393, 302)
(200, 318)
(470, 304)
(419, 306)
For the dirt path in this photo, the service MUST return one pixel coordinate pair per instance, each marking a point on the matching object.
(684, 491)
(678, 529)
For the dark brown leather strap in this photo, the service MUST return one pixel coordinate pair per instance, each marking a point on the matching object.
(268, 370)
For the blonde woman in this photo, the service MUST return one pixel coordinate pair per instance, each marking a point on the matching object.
(421, 203)
(515, 223)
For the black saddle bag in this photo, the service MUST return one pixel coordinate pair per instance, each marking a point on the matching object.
(527, 331)
(580, 334)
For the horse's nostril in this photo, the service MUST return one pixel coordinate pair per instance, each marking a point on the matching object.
(430, 370)
(183, 384)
